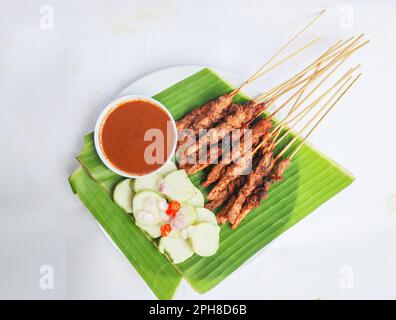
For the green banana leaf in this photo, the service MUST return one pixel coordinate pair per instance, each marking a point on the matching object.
(154, 268)
(311, 180)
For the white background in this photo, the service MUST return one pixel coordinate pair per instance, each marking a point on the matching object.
(54, 82)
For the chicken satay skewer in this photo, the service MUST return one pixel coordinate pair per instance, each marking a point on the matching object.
(192, 149)
(235, 169)
(235, 120)
(240, 163)
(216, 171)
(260, 172)
(269, 148)
(188, 119)
(217, 107)
(252, 202)
(208, 139)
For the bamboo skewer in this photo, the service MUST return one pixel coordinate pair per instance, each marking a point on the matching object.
(306, 113)
(287, 58)
(343, 55)
(323, 116)
(299, 75)
(296, 103)
(309, 107)
(336, 56)
(317, 114)
(267, 178)
(256, 74)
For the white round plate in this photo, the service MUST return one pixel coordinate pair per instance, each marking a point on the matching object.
(158, 81)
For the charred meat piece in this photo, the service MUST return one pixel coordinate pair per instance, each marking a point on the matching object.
(231, 188)
(263, 169)
(188, 137)
(243, 114)
(195, 116)
(261, 192)
(259, 129)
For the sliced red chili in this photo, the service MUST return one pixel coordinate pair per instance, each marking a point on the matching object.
(173, 208)
(165, 229)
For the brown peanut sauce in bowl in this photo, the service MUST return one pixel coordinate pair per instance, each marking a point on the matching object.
(135, 136)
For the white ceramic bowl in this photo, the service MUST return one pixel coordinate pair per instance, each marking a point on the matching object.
(114, 104)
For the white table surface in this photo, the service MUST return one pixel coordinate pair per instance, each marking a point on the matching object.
(55, 79)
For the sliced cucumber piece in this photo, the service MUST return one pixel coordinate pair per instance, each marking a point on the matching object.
(147, 217)
(167, 168)
(153, 231)
(177, 249)
(123, 195)
(147, 201)
(204, 238)
(175, 233)
(150, 182)
(197, 200)
(177, 186)
(205, 215)
(186, 216)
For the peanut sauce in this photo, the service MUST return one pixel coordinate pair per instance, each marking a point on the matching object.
(122, 136)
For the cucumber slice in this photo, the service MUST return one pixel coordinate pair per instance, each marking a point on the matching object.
(150, 182)
(153, 231)
(175, 233)
(123, 195)
(177, 249)
(146, 217)
(197, 200)
(177, 186)
(167, 168)
(148, 201)
(204, 238)
(205, 215)
(186, 216)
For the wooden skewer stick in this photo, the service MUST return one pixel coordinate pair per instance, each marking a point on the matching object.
(297, 102)
(313, 77)
(306, 46)
(324, 115)
(312, 105)
(253, 77)
(307, 112)
(319, 85)
(281, 87)
(309, 107)
(346, 52)
(299, 75)
(313, 118)
(317, 114)
(287, 58)
(299, 92)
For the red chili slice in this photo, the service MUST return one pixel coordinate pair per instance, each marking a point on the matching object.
(173, 208)
(165, 229)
